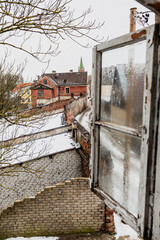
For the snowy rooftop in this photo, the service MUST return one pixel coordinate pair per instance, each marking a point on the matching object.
(84, 119)
(37, 149)
(30, 126)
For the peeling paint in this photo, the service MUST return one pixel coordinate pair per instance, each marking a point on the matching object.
(145, 100)
(147, 82)
(139, 34)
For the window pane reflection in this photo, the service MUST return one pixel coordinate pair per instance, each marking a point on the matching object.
(119, 167)
(122, 85)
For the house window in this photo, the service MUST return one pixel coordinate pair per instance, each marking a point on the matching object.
(44, 81)
(29, 99)
(123, 108)
(40, 93)
(28, 92)
(23, 100)
(22, 92)
(67, 89)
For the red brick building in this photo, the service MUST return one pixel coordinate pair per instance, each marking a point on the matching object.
(54, 87)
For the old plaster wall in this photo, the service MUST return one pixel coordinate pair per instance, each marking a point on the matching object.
(77, 106)
(18, 181)
(68, 207)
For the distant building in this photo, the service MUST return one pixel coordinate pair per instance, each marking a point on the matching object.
(54, 87)
(24, 92)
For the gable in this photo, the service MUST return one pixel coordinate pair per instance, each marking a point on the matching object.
(41, 86)
(47, 81)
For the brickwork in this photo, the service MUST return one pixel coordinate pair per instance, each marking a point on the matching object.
(59, 105)
(24, 183)
(109, 221)
(68, 207)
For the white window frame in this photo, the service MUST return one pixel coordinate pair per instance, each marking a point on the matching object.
(143, 223)
(66, 89)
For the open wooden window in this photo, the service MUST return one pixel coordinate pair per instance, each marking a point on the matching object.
(125, 103)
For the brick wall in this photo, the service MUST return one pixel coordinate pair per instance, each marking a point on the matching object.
(68, 207)
(20, 182)
(59, 105)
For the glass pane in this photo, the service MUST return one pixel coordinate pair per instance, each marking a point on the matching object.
(119, 167)
(122, 85)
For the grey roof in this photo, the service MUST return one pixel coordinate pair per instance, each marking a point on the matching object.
(67, 79)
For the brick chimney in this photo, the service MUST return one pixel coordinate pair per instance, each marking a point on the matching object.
(133, 19)
(54, 72)
(71, 71)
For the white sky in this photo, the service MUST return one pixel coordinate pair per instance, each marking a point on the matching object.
(114, 13)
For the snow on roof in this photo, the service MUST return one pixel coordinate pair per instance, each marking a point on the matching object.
(30, 126)
(36, 149)
(84, 119)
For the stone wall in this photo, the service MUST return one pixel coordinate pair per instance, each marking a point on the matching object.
(77, 106)
(68, 207)
(26, 179)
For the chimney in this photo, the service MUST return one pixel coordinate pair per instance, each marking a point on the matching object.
(133, 19)
(71, 71)
(39, 78)
(54, 72)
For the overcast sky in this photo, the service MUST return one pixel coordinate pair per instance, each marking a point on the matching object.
(115, 14)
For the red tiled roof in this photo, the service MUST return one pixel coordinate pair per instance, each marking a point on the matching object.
(21, 85)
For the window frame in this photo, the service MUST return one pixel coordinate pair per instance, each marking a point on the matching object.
(40, 93)
(45, 81)
(143, 223)
(67, 88)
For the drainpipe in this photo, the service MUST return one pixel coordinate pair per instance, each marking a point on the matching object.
(133, 19)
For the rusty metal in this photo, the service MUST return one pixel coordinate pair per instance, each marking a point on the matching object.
(133, 19)
(139, 34)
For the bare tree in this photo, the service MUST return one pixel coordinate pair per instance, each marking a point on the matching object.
(53, 19)
(20, 21)
(9, 78)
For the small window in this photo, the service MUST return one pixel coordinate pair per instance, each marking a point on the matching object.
(23, 100)
(28, 92)
(22, 92)
(40, 93)
(29, 99)
(45, 81)
(67, 90)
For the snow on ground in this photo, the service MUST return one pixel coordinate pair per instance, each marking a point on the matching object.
(34, 238)
(39, 124)
(37, 148)
(124, 229)
(84, 119)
